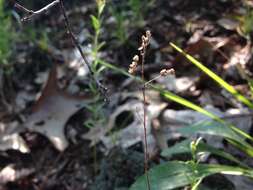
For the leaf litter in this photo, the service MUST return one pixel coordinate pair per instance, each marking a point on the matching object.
(202, 37)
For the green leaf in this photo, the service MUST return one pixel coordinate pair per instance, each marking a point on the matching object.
(251, 86)
(95, 22)
(117, 69)
(218, 129)
(100, 45)
(215, 77)
(100, 5)
(177, 174)
(185, 147)
(178, 148)
(211, 128)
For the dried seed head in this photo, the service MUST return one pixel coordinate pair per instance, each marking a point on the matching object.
(145, 40)
(148, 34)
(140, 48)
(136, 58)
(131, 70)
(133, 65)
(147, 37)
(165, 72)
(171, 71)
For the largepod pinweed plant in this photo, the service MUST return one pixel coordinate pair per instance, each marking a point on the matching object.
(139, 60)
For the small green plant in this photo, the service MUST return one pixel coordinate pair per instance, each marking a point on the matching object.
(98, 117)
(6, 35)
(246, 22)
(139, 8)
(129, 14)
(120, 30)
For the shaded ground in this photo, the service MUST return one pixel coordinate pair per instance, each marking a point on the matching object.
(194, 25)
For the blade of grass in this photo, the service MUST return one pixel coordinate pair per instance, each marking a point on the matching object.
(215, 77)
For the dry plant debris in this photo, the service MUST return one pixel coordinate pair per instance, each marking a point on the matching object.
(53, 109)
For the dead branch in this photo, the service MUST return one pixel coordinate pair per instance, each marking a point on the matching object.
(32, 13)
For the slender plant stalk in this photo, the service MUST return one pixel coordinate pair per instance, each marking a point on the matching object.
(146, 157)
(145, 39)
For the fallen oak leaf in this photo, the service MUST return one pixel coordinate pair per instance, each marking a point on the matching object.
(53, 109)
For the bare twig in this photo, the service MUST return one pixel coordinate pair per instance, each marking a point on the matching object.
(32, 13)
(145, 40)
(142, 49)
(76, 43)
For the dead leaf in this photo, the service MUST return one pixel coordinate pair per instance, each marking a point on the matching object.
(201, 49)
(53, 109)
(228, 24)
(133, 132)
(9, 174)
(10, 139)
(236, 64)
(178, 85)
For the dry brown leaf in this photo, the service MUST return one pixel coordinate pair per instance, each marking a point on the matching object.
(9, 174)
(201, 49)
(10, 139)
(236, 64)
(53, 109)
(228, 23)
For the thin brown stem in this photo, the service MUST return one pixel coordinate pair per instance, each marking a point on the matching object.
(101, 88)
(146, 157)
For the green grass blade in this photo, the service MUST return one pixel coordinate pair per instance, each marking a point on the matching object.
(215, 77)
(184, 102)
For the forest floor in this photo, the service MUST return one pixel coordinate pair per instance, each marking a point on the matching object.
(50, 139)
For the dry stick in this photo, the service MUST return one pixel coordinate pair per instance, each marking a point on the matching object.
(75, 41)
(143, 53)
(35, 13)
(32, 13)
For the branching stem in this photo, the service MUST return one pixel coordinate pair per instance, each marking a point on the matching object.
(146, 157)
